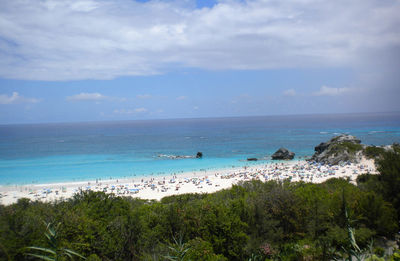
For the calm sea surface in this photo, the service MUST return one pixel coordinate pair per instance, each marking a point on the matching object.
(44, 153)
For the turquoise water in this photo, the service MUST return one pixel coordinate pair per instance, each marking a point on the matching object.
(44, 153)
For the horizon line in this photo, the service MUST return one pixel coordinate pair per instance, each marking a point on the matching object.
(198, 118)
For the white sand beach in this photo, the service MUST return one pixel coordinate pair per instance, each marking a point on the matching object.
(189, 182)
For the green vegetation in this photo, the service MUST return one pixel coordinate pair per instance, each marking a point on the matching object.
(250, 221)
(386, 184)
(349, 147)
(374, 152)
(55, 251)
(378, 153)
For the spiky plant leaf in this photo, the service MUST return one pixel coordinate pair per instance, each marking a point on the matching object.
(42, 257)
(73, 253)
(47, 250)
(55, 250)
(69, 255)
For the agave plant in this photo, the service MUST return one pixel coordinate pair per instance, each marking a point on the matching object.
(255, 257)
(354, 250)
(55, 252)
(178, 250)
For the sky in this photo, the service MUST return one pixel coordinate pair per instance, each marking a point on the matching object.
(103, 60)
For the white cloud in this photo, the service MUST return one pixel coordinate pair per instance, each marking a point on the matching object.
(95, 39)
(196, 108)
(328, 91)
(130, 111)
(16, 98)
(289, 92)
(143, 96)
(180, 98)
(83, 96)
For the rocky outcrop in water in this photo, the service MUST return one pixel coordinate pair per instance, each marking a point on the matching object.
(252, 159)
(199, 155)
(339, 149)
(283, 154)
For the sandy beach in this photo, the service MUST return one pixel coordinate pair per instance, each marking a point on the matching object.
(155, 188)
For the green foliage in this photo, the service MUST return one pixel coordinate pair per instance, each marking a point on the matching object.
(255, 257)
(374, 258)
(202, 250)
(55, 251)
(178, 251)
(93, 257)
(350, 147)
(395, 256)
(379, 251)
(389, 167)
(374, 152)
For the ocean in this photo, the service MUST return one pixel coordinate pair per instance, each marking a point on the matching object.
(65, 152)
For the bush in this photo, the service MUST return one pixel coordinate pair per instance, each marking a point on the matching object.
(93, 257)
(351, 148)
(379, 251)
(202, 250)
(389, 167)
(374, 152)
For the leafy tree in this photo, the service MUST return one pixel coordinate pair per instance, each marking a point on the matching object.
(389, 168)
(202, 250)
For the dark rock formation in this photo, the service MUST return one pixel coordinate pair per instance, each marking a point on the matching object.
(252, 159)
(340, 149)
(283, 154)
(199, 155)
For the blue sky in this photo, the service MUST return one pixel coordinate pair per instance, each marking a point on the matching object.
(96, 60)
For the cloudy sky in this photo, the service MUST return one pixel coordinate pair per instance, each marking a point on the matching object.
(95, 60)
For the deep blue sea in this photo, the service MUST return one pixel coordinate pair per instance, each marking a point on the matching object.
(58, 152)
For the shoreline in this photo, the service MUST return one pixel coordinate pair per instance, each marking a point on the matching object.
(138, 176)
(201, 181)
(235, 163)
